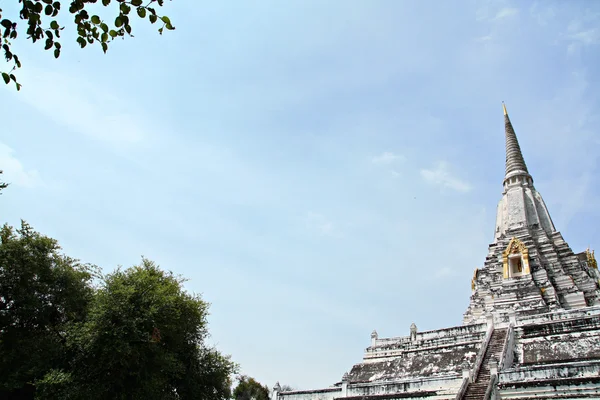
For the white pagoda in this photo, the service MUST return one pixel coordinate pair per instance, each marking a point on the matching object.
(531, 331)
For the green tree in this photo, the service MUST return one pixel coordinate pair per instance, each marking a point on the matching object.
(249, 389)
(41, 24)
(66, 332)
(41, 293)
(144, 338)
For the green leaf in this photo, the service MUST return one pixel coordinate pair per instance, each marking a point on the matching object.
(6, 77)
(165, 19)
(104, 47)
(113, 33)
(152, 18)
(104, 37)
(54, 25)
(49, 10)
(118, 22)
(136, 3)
(141, 12)
(105, 2)
(6, 23)
(125, 8)
(56, 52)
(95, 19)
(81, 42)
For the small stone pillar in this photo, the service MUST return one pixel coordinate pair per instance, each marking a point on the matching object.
(489, 319)
(493, 364)
(413, 332)
(345, 380)
(276, 390)
(374, 337)
(466, 371)
(512, 317)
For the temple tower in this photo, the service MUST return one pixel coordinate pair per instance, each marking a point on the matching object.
(530, 269)
(532, 328)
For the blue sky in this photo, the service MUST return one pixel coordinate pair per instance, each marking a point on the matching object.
(316, 169)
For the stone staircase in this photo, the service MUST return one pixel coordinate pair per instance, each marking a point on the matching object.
(476, 390)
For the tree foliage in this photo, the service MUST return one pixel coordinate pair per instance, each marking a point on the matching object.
(41, 293)
(132, 334)
(144, 339)
(249, 389)
(3, 185)
(40, 18)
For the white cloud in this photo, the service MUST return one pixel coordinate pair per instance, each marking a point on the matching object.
(444, 272)
(483, 39)
(441, 176)
(581, 33)
(486, 13)
(586, 37)
(505, 13)
(86, 108)
(387, 157)
(543, 13)
(13, 170)
(320, 223)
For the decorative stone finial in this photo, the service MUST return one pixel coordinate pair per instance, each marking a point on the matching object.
(345, 377)
(277, 387)
(413, 332)
(374, 337)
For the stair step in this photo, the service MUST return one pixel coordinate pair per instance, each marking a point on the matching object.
(476, 390)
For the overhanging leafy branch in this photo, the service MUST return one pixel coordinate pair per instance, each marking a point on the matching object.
(91, 29)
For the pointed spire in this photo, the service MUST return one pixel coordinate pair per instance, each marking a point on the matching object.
(514, 157)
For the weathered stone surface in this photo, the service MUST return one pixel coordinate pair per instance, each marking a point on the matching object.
(432, 362)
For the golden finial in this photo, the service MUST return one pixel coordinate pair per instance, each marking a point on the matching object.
(591, 258)
(504, 108)
(474, 278)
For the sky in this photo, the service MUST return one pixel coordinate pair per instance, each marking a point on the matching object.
(315, 169)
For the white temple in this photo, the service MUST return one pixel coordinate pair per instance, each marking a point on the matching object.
(531, 331)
